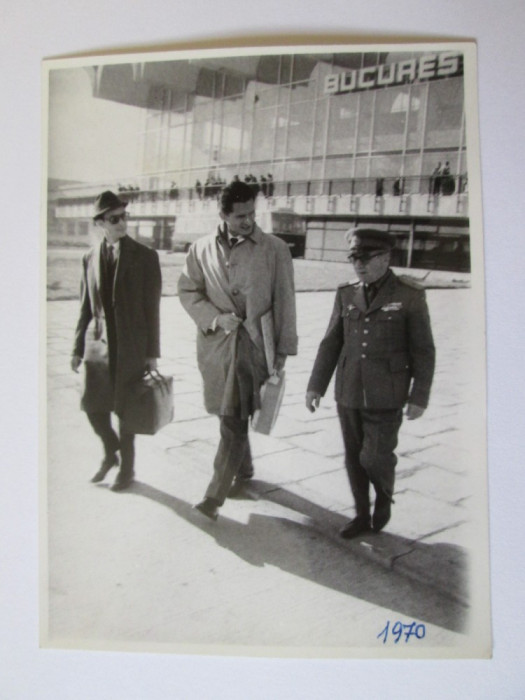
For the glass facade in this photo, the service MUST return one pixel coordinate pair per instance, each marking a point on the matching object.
(393, 115)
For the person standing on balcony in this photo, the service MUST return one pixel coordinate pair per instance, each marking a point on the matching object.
(119, 309)
(380, 340)
(271, 184)
(230, 280)
(435, 179)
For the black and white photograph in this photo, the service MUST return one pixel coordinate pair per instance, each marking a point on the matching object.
(264, 409)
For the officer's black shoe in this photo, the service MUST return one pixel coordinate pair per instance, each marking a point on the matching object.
(108, 462)
(382, 511)
(208, 507)
(355, 527)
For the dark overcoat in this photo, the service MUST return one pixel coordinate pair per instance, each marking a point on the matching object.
(135, 298)
(384, 354)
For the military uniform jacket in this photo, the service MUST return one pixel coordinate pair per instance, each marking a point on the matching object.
(384, 354)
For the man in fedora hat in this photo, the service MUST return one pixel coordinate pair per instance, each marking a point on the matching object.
(380, 340)
(119, 313)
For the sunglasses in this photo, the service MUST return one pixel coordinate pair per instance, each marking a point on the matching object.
(365, 258)
(115, 218)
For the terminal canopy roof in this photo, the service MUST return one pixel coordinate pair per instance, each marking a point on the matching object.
(146, 84)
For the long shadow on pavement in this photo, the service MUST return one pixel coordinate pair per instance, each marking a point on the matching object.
(303, 549)
(442, 566)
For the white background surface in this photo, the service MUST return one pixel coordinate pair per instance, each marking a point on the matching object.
(34, 30)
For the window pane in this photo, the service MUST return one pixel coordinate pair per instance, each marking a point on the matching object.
(416, 115)
(444, 113)
(281, 124)
(365, 121)
(263, 124)
(342, 124)
(231, 132)
(321, 115)
(391, 110)
(300, 129)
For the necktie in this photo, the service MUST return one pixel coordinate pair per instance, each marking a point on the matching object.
(370, 292)
(110, 256)
(233, 241)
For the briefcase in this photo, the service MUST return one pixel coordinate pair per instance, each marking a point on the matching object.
(272, 392)
(149, 404)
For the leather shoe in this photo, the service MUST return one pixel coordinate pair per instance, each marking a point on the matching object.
(123, 482)
(355, 527)
(382, 511)
(106, 464)
(208, 507)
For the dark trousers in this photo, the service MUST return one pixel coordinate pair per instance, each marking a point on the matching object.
(125, 442)
(370, 438)
(233, 457)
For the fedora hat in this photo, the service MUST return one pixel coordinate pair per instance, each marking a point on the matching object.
(106, 202)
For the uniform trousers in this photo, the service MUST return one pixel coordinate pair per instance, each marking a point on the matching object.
(101, 424)
(233, 457)
(370, 438)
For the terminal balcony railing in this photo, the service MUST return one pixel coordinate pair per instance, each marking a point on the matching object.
(378, 186)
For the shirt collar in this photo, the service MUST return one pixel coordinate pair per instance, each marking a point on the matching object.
(115, 246)
(224, 235)
(380, 282)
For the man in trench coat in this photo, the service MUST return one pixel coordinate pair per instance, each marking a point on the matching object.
(231, 279)
(380, 340)
(119, 322)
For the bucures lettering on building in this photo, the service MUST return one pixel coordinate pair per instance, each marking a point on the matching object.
(428, 67)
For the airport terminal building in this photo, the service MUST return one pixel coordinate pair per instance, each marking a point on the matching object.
(327, 140)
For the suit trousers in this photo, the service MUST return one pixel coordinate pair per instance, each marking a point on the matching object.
(233, 457)
(370, 438)
(125, 442)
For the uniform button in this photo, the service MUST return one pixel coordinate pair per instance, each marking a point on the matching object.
(227, 264)
(364, 344)
(235, 292)
(363, 355)
(367, 320)
(365, 331)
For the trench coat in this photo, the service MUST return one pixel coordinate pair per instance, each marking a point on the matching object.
(384, 353)
(136, 302)
(254, 278)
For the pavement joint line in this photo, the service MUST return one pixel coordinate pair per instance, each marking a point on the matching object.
(366, 549)
(447, 470)
(460, 502)
(440, 530)
(431, 496)
(417, 450)
(294, 435)
(421, 576)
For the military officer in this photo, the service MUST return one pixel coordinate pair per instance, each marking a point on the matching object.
(379, 338)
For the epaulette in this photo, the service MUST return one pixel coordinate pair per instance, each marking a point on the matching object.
(410, 282)
(347, 284)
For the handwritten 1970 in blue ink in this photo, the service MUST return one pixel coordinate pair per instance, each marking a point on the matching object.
(399, 629)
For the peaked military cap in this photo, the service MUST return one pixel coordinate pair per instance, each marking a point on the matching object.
(106, 202)
(361, 239)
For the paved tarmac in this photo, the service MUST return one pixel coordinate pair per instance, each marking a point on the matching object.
(141, 568)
